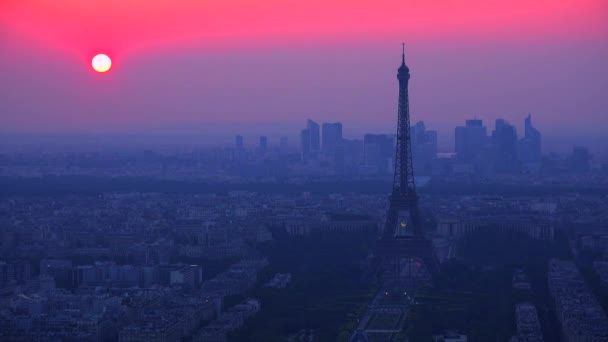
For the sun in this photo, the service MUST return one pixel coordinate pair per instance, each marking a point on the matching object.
(101, 63)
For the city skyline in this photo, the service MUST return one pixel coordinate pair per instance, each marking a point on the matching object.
(492, 63)
(286, 135)
(319, 170)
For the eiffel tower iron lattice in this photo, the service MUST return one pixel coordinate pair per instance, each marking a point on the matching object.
(407, 257)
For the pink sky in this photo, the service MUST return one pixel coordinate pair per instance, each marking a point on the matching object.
(190, 63)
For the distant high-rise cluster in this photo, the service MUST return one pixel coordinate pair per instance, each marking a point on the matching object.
(478, 150)
(501, 152)
(374, 155)
(315, 141)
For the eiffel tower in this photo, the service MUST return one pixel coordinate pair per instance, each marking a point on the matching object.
(407, 258)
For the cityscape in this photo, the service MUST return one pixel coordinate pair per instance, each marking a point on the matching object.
(325, 229)
(480, 153)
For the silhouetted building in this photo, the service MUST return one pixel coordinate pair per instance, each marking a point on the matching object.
(378, 150)
(530, 144)
(474, 152)
(504, 139)
(311, 140)
(305, 142)
(470, 140)
(315, 136)
(332, 137)
(424, 148)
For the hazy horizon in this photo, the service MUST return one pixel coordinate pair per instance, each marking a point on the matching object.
(224, 134)
(264, 68)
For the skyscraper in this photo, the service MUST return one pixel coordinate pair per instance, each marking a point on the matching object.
(331, 136)
(311, 140)
(530, 144)
(424, 148)
(504, 139)
(315, 136)
(305, 142)
(470, 140)
(378, 152)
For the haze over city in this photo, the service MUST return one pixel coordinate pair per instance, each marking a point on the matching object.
(289, 170)
(208, 70)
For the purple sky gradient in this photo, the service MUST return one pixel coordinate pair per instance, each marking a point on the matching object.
(272, 88)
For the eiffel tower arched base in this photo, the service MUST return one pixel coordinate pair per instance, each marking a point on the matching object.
(406, 264)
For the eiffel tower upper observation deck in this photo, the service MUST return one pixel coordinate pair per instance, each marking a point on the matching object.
(404, 250)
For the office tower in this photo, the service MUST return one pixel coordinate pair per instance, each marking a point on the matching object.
(422, 136)
(378, 152)
(305, 143)
(311, 140)
(406, 255)
(530, 144)
(239, 143)
(424, 148)
(315, 136)
(504, 139)
(263, 145)
(470, 140)
(331, 137)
